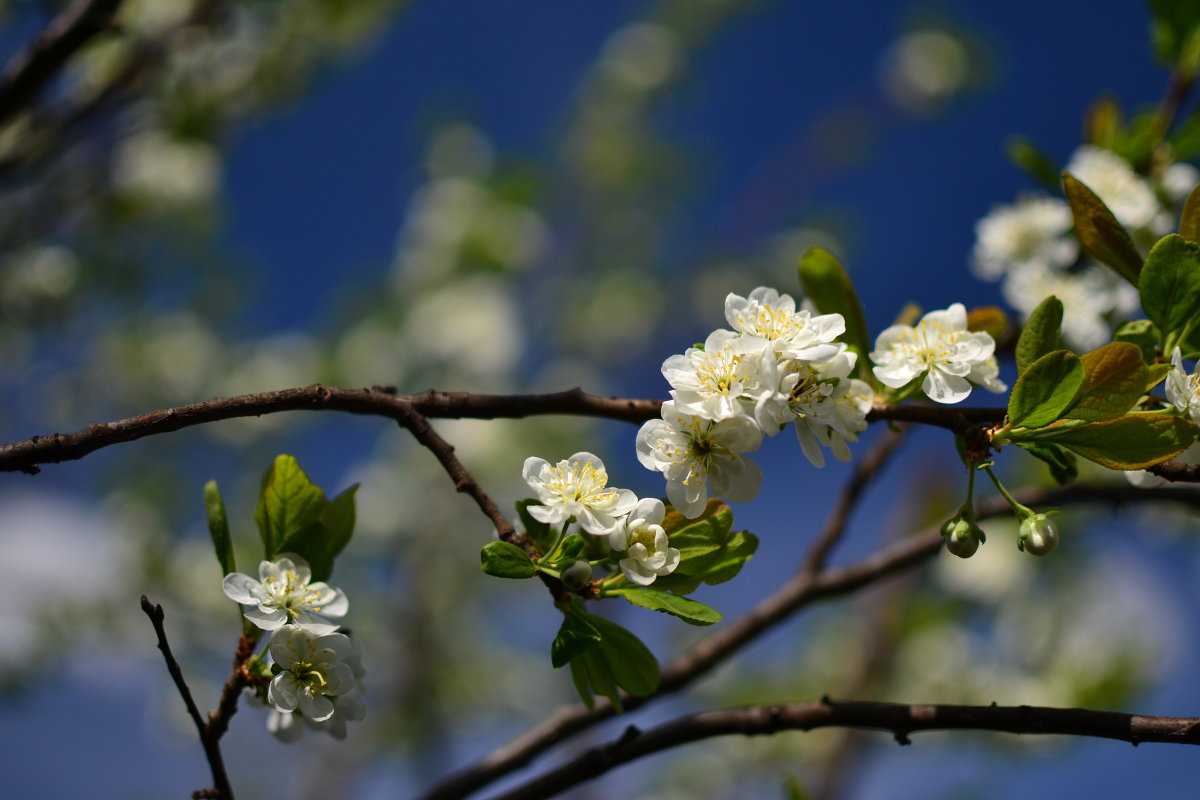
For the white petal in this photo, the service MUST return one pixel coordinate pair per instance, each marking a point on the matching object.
(267, 619)
(241, 588)
(316, 707)
(943, 388)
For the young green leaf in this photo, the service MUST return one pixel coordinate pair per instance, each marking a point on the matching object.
(1025, 155)
(218, 527)
(1170, 287)
(631, 664)
(1134, 441)
(1189, 217)
(579, 676)
(1114, 379)
(712, 566)
(597, 677)
(288, 503)
(1155, 374)
(1041, 332)
(1045, 390)
(688, 610)
(575, 635)
(1140, 332)
(1099, 233)
(506, 560)
(1061, 462)
(829, 287)
(320, 541)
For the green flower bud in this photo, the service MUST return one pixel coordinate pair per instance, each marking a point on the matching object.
(963, 536)
(1039, 534)
(576, 576)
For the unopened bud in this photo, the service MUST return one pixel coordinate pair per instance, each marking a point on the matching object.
(963, 536)
(576, 576)
(1039, 535)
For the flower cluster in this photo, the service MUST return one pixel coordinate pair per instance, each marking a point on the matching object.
(1029, 244)
(317, 671)
(778, 364)
(577, 489)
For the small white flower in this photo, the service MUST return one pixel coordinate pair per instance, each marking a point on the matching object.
(943, 350)
(1088, 297)
(577, 487)
(768, 315)
(696, 454)
(283, 594)
(711, 382)
(827, 405)
(642, 536)
(1183, 390)
(315, 669)
(1178, 180)
(1032, 232)
(1111, 177)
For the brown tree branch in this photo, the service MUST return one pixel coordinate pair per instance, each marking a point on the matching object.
(30, 70)
(209, 735)
(799, 592)
(27, 455)
(899, 720)
(1176, 471)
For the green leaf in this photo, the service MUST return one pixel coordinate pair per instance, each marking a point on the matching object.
(506, 560)
(1114, 379)
(1189, 217)
(579, 676)
(1134, 441)
(1140, 332)
(1170, 287)
(1041, 332)
(828, 285)
(1045, 390)
(218, 526)
(629, 662)
(319, 542)
(1155, 374)
(1025, 155)
(1174, 22)
(1102, 123)
(1101, 236)
(540, 533)
(701, 535)
(575, 635)
(572, 546)
(1061, 462)
(688, 610)
(288, 502)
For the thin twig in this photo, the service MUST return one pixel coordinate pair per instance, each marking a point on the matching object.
(799, 592)
(30, 70)
(899, 720)
(865, 470)
(208, 739)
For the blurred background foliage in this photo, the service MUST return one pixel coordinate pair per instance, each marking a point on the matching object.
(132, 277)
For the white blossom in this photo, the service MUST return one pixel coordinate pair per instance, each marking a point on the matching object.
(696, 455)
(1112, 178)
(1088, 297)
(1183, 390)
(648, 554)
(1032, 232)
(942, 349)
(768, 315)
(712, 382)
(826, 404)
(315, 669)
(577, 487)
(283, 593)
